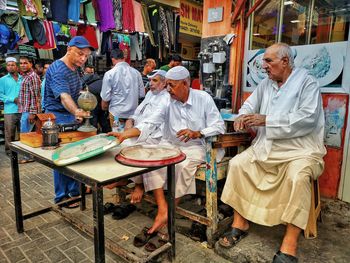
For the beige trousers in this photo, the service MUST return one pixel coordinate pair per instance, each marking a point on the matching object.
(272, 192)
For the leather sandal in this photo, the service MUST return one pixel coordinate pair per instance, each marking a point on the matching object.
(232, 237)
(143, 237)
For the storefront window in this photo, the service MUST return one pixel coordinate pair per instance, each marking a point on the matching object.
(317, 31)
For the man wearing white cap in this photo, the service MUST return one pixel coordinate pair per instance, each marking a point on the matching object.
(9, 91)
(192, 115)
(146, 126)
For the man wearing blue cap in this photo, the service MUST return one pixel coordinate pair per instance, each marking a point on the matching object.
(146, 126)
(61, 94)
(9, 92)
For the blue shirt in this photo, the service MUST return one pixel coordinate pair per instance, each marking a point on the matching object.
(43, 93)
(9, 90)
(60, 79)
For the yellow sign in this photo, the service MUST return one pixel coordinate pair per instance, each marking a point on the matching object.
(191, 18)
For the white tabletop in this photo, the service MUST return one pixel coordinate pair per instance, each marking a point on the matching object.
(100, 168)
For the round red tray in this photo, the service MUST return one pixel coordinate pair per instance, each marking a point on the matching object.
(127, 158)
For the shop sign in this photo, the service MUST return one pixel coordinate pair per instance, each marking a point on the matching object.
(191, 18)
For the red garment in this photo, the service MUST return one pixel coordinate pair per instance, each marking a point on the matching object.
(128, 16)
(89, 33)
(73, 31)
(50, 37)
(97, 11)
(125, 48)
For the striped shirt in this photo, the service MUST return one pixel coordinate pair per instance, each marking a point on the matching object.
(29, 95)
(60, 79)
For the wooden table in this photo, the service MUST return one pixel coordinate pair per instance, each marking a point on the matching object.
(96, 172)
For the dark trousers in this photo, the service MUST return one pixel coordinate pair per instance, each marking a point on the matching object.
(12, 128)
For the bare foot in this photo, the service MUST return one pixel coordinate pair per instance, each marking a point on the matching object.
(160, 221)
(136, 195)
(119, 183)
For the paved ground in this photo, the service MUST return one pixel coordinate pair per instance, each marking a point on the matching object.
(49, 238)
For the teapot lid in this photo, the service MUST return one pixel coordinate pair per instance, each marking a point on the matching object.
(49, 124)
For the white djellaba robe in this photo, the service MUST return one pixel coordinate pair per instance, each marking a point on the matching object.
(270, 182)
(198, 113)
(149, 118)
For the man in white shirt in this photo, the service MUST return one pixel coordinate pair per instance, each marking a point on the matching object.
(121, 88)
(146, 126)
(192, 115)
(270, 182)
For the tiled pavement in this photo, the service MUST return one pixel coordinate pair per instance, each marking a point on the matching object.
(49, 238)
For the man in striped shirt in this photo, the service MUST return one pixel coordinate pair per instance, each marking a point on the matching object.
(29, 95)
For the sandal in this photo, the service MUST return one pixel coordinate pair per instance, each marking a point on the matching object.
(108, 208)
(69, 206)
(232, 237)
(281, 257)
(122, 211)
(143, 237)
(155, 243)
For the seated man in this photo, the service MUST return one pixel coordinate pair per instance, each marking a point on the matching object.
(192, 115)
(146, 126)
(270, 182)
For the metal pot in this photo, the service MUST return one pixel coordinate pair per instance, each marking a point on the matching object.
(50, 133)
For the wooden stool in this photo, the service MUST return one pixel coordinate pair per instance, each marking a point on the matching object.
(311, 229)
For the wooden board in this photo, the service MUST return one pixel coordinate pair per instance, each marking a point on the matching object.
(83, 149)
(35, 140)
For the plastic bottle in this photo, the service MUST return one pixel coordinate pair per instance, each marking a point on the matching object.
(117, 126)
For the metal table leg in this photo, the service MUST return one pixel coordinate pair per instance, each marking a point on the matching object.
(83, 197)
(171, 207)
(99, 238)
(17, 192)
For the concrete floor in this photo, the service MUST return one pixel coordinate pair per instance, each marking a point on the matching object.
(49, 238)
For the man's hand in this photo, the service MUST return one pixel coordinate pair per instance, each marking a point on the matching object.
(251, 120)
(239, 123)
(119, 135)
(187, 134)
(16, 101)
(129, 124)
(31, 118)
(80, 114)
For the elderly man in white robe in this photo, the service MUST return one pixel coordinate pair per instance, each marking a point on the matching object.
(270, 182)
(146, 126)
(192, 116)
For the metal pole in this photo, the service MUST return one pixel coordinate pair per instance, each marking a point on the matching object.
(171, 208)
(99, 238)
(17, 192)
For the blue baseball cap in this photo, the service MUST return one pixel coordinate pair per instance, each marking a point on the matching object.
(80, 42)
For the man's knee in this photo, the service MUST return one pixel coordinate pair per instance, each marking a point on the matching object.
(299, 173)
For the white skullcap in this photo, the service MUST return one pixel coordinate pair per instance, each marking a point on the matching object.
(11, 59)
(177, 73)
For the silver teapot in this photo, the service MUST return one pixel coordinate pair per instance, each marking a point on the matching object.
(50, 133)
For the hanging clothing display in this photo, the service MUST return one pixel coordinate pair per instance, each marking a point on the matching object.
(138, 20)
(106, 15)
(74, 10)
(89, 33)
(117, 12)
(90, 13)
(50, 37)
(37, 31)
(13, 21)
(128, 16)
(30, 8)
(135, 47)
(147, 23)
(164, 27)
(47, 8)
(59, 11)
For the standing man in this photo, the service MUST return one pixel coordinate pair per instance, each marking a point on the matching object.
(270, 182)
(61, 94)
(175, 60)
(29, 98)
(121, 89)
(9, 91)
(147, 68)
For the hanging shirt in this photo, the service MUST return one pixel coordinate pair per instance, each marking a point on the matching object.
(149, 116)
(9, 90)
(50, 37)
(106, 15)
(294, 115)
(198, 113)
(31, 8)
(117, 13)
(89, 33)
(139, 26)
(60, 11)
(74, 10)
(29, 95)
(122, 87)
(128, 16)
